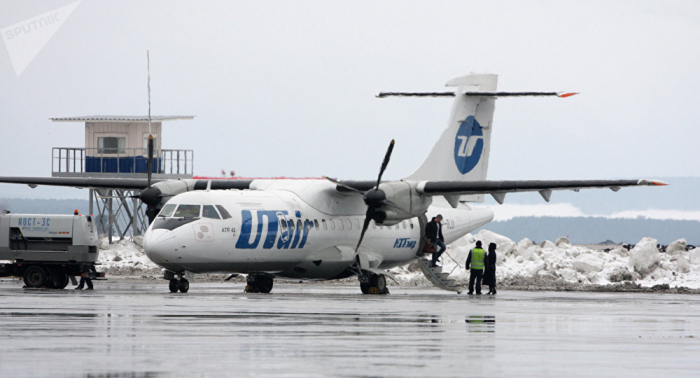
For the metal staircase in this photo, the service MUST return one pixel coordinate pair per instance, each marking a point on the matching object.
(438, 278)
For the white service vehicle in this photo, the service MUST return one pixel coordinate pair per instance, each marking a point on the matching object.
(48, 249)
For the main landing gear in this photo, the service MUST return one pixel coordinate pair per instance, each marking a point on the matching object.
(259, 283)
(181, 284)
(373, 284)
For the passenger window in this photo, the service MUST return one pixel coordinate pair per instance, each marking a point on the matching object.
(340, 224)
(357, 224)
(187, 211)
(348, 224)
(208, 211)
(291, 225)
(403, 224)
(167, 210)
(316, 223)
(325, 226)
(299, 223)
(224, 213)
(283, 224)
(332, 224)
(410, 223)
(307, 224)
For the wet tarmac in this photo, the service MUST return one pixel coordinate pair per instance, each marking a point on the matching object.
(139, 329)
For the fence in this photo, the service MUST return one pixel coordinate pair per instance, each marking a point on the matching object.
(120, 161)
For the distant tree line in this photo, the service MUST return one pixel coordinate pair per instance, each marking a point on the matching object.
(593, 230)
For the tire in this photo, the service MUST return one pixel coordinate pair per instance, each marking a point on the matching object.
(35, 276)
(184, 285)
(378, 281)
(364, 286)
(265, 284)
(174, 286)
(59, 280)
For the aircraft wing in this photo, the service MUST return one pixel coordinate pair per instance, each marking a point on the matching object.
(78, 182)
(488, 187)
(498, 189)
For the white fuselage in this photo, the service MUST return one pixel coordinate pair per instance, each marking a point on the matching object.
(289, 228)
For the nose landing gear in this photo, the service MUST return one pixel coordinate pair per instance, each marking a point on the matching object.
(181, 284)
(259, 283)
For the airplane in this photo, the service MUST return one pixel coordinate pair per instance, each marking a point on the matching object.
(326, 229)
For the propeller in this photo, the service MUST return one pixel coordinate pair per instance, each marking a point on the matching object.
(150, 158)
(150, 196)
(375, 198)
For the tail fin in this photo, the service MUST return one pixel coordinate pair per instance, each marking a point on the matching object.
(462, 152)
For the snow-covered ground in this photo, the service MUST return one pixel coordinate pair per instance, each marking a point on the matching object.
(550, 261)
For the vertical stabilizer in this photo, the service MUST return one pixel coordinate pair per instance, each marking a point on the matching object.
(462, 152)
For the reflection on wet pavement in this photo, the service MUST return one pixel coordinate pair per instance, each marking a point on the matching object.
(140, 330)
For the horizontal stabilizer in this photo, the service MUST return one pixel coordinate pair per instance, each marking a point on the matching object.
(476, 94)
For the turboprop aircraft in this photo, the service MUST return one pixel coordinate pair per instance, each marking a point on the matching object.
(324, 229)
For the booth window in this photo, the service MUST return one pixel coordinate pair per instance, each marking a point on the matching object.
(111, 145)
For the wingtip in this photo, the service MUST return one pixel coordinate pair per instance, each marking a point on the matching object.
(652, 183)
(566, 94)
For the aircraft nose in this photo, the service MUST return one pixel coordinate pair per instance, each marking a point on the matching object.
(158, 244)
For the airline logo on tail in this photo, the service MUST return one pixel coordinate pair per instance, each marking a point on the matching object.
(469, 145)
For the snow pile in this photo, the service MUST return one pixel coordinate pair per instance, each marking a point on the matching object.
(125, 258)
(562, 262)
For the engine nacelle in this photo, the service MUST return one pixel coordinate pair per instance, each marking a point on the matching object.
(402, 202)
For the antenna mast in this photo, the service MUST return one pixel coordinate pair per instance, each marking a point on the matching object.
(148, 68)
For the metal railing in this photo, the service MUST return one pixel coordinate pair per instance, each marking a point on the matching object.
(120, 161)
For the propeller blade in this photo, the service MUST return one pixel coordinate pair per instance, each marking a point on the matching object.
(385, 162)
(343, 185)
(365, 225)
(150, 158)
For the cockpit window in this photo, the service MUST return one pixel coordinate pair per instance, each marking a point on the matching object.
(167, 210)
(224, 213)
(187, 211)
(208, 211)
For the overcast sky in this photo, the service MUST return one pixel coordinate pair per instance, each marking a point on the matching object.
(287, 88)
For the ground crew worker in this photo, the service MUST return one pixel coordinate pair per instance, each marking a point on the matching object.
(85, 278)
(475, 263)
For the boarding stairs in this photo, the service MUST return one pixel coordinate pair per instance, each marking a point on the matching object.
(436, 276)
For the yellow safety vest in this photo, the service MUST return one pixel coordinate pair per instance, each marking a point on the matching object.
(477, 259)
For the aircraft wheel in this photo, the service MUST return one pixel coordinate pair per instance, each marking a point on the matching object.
(265, 284)
(364, 286)
(378, 281)
(174, 286)
(35, 277)
(184, 285)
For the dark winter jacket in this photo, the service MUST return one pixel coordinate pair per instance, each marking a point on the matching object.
(490, 269)
(431, 231)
